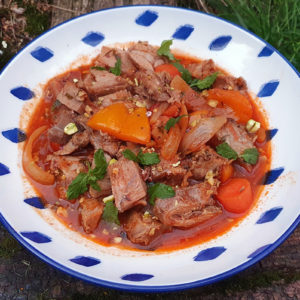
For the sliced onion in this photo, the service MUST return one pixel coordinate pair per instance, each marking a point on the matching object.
(203, 131)
(157, 112)
(30, 167)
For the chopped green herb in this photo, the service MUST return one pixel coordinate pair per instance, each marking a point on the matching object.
(185, 74)
(250, 156)
(226, 151)
(148, 159)
(98, 68)
(110, 213)
(159, 190)
(70, 129)
(80, 184)
(117, 68)
(172, 121)
(145, 159)
(55, 105)
(205, 83)
(130, 155)
(164, 49)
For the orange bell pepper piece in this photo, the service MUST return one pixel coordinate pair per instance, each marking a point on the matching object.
(125, 125)
(234, 99)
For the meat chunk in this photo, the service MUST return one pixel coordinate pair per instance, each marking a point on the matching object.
(189, 207)
(143, 60)
(79, 140)
(206, 159)
(236, 136)
(128, 187)
(227, 82)
(107, 57)
(100, 83)
(104, 141)
(60, 118)
(104, 183)
(90, 214)
(141, 229)
(151, 85)
(73, 97)
(168, 171)
(195, 101)
(65, 169)
(202, 69)
(113, 98)
(127, 67)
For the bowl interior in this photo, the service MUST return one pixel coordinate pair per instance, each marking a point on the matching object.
(241, 53)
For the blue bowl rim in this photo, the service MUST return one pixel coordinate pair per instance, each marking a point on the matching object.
(141, 288)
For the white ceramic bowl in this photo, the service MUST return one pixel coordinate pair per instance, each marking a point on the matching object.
(268, 74)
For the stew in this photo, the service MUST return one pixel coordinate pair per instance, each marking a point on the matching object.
(146, 149)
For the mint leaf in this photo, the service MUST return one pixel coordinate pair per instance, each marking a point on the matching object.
(205, 83)
(226, 151)
(160, 190)
(101, 165)
(145, 159)
(164, 49)
(130, 155)
(250, 156)
(110, 213)
(185, 74)
(148, 159)
(172, 121)
(117, 68)
(78, 186)
(98, 68)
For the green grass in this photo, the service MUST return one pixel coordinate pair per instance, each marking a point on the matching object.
(276, 21)
(9, 247)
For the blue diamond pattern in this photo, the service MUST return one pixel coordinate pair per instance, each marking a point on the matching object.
(268, 89)
(137, 277)
(269, 215)
(220, 43)
(85, 261)
(93, 38)
(42, 54)
(36, 237)
(272, 175)
(271, 133)
(258, 251)
(265, 52)
(14, 135)
(147, 18)
(4, 169)
(35, 202)
(183, 32)
(209, 254)
(22, 93)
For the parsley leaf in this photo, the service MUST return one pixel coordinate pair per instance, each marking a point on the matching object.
(205, 83)
(110, 213)
(98, 68)
(80, 184)
(250, 156)
(148, 159)
(145, 159)
(160, 190)
(226, 151)
(117, 68)
(130, 155)
(164, 49)
(172, 121)
(185, 74)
